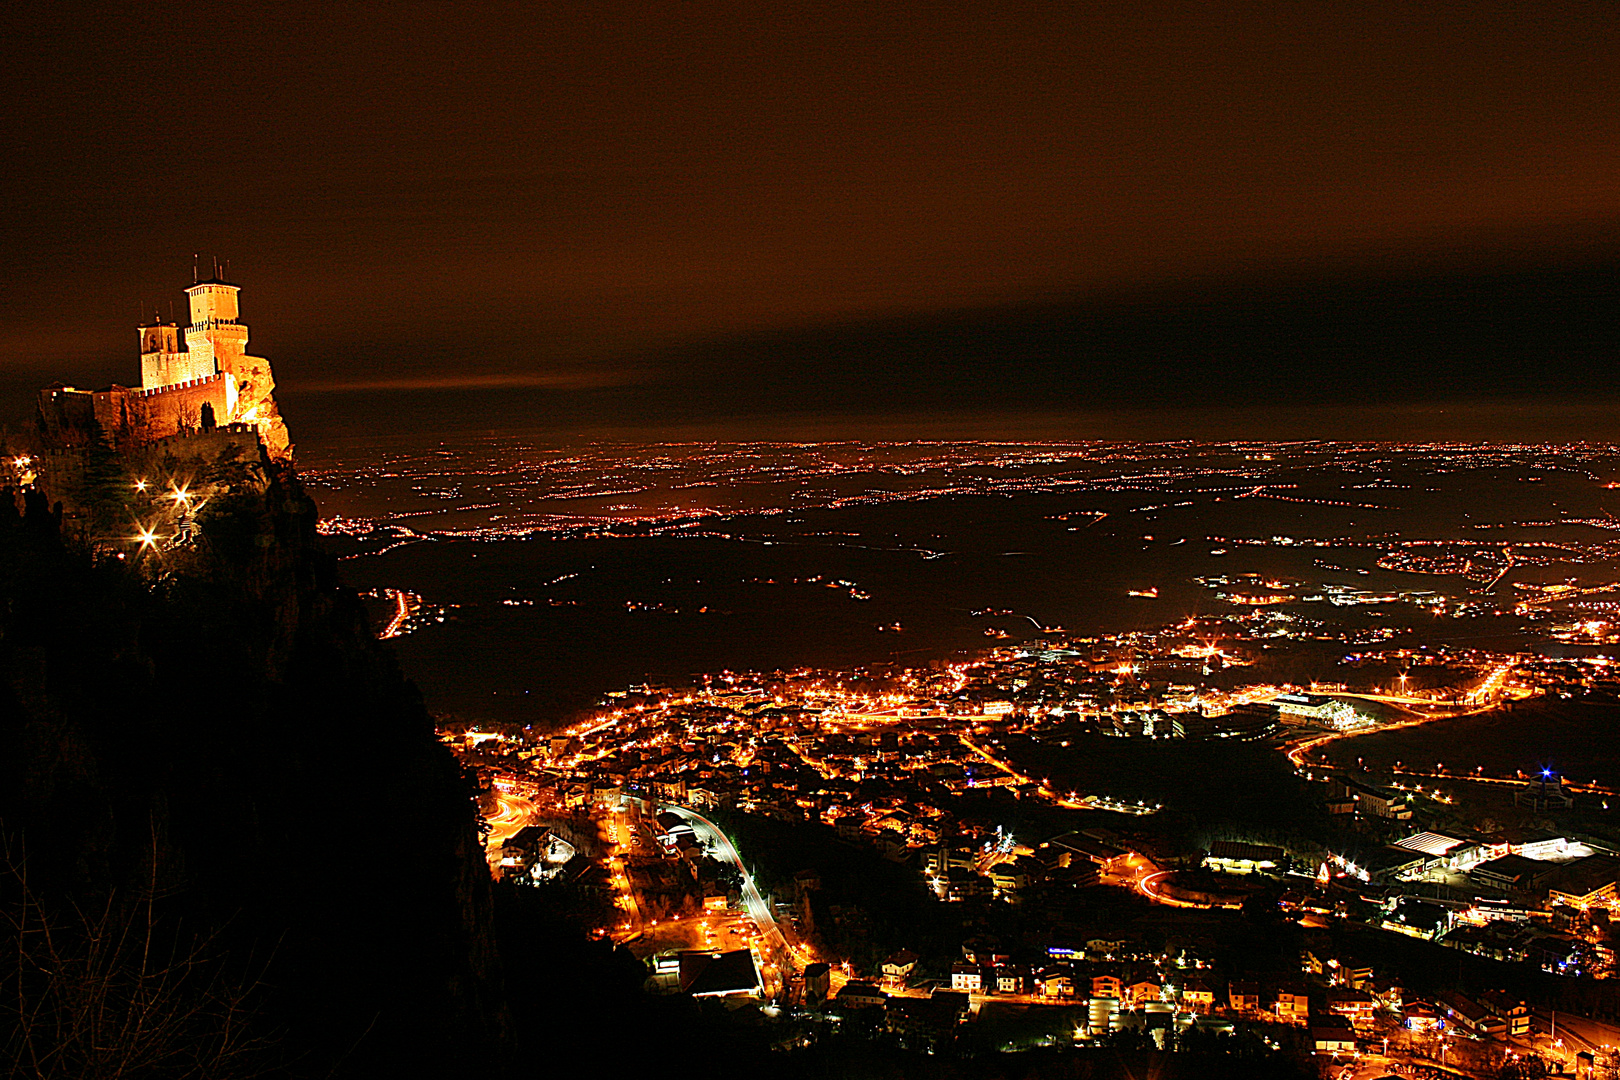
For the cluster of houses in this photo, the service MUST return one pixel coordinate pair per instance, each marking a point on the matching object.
(1492, 1014)
(1331, 1011)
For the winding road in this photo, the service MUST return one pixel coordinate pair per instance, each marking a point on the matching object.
(779, 952)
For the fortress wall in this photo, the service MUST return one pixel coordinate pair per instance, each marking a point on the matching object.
(207, 445)
(60, 471)
(164, 412)
(64, 475)
(112, 409)
(68, 416)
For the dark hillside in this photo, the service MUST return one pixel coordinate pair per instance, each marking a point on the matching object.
(206, 746)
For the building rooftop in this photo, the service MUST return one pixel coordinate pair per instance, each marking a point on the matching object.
(718, 973)
(1584, 877)
(1237, 851)
(1435, 844)
(1511, 868)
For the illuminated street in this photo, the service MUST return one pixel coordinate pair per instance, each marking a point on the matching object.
(512, 813)
(776, 954)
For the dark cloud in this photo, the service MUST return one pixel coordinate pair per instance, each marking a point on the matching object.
(1520, 354)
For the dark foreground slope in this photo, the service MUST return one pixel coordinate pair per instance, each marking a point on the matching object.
(233, 843)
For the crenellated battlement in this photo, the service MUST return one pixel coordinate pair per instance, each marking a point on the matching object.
(146, 392)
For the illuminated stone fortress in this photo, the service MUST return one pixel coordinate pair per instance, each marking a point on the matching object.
(208, 381)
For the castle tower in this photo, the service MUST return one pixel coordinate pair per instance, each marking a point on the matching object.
(161, 355)
(216, 339)
(210, 368)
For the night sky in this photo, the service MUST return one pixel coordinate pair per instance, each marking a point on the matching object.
(883, 218)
